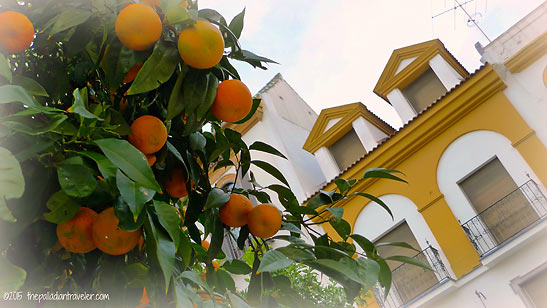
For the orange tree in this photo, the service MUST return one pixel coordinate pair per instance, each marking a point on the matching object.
(104, 161)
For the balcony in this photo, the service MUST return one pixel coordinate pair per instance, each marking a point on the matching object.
(506, 218)
(410, 281)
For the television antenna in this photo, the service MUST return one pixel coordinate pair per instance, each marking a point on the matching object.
(471, 18)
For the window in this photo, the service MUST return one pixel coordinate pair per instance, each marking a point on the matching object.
(408, 280)
(347, 150)
(531, 287)
(423, 91)
(498, 201)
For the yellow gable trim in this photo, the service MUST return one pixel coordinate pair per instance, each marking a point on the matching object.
(424, 52)
(528, 54)
(318, 137)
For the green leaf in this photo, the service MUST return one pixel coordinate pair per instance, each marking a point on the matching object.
(271, 170)
(367, 269)
(216, 239)
(79, 105)
(320, 199)
(157, 69)
(170, 220)
(382, 173)
(5, 213)
(342, 227)
(62, 207)
(365, 244)
(384, 276)
(125, 216)
(178, 15)
(297, 253)
(409, 260)
(195, 278)
(161, 249)
(236, 301)
(12, 182)
(237, 267)
(290, 227)
(286, 196)
(273, 260)
(261, 146)
(13, 277)
(236, 25)
(106, 167)
(176, 102)
(344, 185)
(209, 98)
(254, 107)
(336, 212)
(216, 198)
(251, 58)
(199, 91)
(76, 180)
(31, 85)
(177, 155)
(197, 141)
(68, 18)
(30, 127)
(12, 93)
(4, 68)
(337, 267)
(182, 296)
(137, 274)
(132, 161)
(134, 194)
(397, 244)
(375, 199)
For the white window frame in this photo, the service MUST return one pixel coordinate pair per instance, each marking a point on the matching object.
(516, 284)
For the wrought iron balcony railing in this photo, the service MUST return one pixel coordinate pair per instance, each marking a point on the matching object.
(506, 218)
(409, 281)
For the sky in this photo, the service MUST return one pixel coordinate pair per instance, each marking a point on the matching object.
(333, 52)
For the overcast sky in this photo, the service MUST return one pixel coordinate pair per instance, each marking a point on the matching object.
(333, 52)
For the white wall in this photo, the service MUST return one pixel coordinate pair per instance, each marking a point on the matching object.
(470, 152)
(401, 105)
(373, 222)
(493, 282)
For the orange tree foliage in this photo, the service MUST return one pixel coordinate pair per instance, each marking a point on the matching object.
(70, 98)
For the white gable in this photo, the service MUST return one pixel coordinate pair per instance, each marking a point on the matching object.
(331, 123)
(404, 63)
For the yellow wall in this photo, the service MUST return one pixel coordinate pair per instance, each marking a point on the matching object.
(479, 104)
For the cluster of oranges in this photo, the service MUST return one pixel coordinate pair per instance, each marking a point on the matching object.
(263, 220)
(88, 230)
(201, 46)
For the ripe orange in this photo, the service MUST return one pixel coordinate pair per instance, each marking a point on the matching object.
(205, 244)
(234, 212)
(215, 265)
(16, 32)
(148, 134)
(138, 26)
(201, 45)
(233, 101)
(75, 235)
(110, 238)
(264, 220)
(176, 184)
(151, 158)
(184, 4)
(132, 73)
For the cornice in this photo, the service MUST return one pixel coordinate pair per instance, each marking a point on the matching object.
(527, 54)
